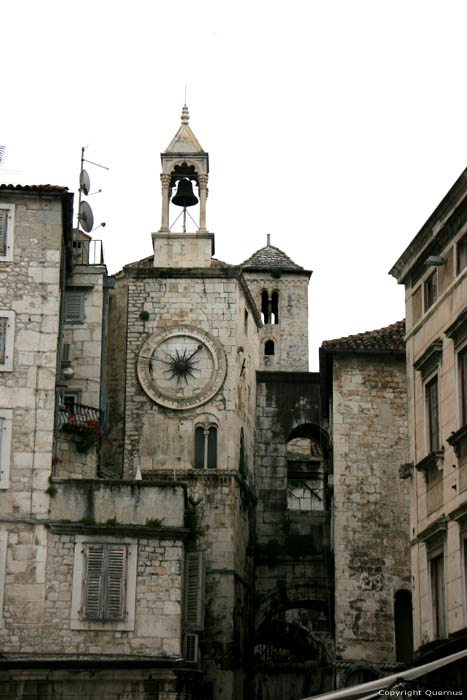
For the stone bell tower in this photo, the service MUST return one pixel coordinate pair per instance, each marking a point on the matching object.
(184, 162)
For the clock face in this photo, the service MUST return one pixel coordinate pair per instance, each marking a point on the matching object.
(181, 367)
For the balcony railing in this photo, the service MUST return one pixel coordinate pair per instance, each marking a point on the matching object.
(88, 253)
(78, 415)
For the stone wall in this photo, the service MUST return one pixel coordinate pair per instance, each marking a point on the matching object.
(209, 303)
(290, 335)
(38, 597)
(293, 565)
(30, 287)
(85, 337)
(129, 502)
(72, 463)
(115, 367)
(371, 506)
(81, 683)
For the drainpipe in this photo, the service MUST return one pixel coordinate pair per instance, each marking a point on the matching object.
(58, 379)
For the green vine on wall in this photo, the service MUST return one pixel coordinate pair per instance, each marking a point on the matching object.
(295, 545)
(196, 530)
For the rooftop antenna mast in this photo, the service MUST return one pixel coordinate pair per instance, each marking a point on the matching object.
(3, 169)
(85, 215)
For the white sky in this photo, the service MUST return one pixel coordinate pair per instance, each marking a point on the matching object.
(336, 126)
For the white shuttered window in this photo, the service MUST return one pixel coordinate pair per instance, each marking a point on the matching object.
(7, 227)
(7, 337)
(6, 417)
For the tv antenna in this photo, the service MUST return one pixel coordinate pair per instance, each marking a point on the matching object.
(85, 215)
(3, 169)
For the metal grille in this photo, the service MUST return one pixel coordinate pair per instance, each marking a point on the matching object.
(78, 415)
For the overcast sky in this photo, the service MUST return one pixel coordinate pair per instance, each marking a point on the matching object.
(336, 126)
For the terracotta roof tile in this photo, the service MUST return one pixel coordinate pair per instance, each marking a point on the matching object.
(390, 338)
(34, 188)
(270, 257)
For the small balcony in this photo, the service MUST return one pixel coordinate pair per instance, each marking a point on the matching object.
(82, 421)
(88, 252)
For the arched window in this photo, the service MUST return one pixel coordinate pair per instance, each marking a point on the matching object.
(206, 447)
(264, 307)
(212, 448)
(269, 307)
(403, 625)
(269, 347)
(275, 307)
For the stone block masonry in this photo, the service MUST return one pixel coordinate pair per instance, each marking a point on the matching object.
(371, 517)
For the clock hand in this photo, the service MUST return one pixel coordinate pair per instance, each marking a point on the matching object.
(164, 361)
(194, 353)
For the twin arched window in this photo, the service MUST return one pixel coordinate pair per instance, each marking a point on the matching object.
(206, 447)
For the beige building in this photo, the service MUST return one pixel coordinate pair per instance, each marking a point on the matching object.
(433, 269)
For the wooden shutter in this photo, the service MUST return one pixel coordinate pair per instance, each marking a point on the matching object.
(2, 442)
(105, 582)
(3, 329)
(194, 591)
(6, 420)
(74, 306)
(114, 607)
(3, 231)
(94, 581)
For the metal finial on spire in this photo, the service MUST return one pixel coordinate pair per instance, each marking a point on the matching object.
(185, 115)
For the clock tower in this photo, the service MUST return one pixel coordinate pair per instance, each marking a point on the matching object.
(184, 389)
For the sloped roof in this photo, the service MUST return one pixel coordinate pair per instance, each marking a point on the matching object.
(270, 257)
(184, 140)
(390, 338)
(34, 188)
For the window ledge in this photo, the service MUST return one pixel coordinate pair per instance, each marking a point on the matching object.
(458, 328)
(434, 460)
(430, 357)
(458, 440)
(434, 530)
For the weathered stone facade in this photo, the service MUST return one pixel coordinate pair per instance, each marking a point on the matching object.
(51, 421)
(294, 579)
(368, 417)
(182, 489)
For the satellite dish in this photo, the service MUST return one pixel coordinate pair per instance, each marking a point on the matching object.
(86, 217)
(84, 182)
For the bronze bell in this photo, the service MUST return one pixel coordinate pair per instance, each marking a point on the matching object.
(184, 196)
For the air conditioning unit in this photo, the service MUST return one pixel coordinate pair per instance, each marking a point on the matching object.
(190, 647)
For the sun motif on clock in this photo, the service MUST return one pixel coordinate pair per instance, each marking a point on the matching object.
(181, 367)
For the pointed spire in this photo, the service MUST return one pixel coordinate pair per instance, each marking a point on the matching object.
(185, 115)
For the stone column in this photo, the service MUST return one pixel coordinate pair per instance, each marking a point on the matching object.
(165, 180)
(203, 193)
